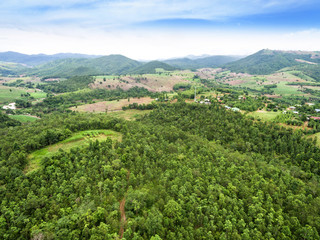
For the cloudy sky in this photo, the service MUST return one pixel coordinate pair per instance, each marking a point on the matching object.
(157, 29)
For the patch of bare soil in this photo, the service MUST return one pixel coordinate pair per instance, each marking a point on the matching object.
(236, 82)
(123, 220)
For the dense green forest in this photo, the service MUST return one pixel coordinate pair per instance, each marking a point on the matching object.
(184, 171)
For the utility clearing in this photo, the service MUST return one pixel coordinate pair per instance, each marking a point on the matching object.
(78, 139)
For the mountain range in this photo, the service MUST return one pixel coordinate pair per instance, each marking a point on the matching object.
(69, 64)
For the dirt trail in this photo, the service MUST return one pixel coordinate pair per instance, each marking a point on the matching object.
(123, 219)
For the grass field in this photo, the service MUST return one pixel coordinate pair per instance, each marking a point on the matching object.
(111, 105)
(7, 96)
(284, 89)
(78, 139)
(130, 114)
(264, 115)
(23, 118)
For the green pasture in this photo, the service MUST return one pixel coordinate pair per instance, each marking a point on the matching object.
(130, 114)
(7, 95)
(264, 115)
(23, 118)
(284, 89)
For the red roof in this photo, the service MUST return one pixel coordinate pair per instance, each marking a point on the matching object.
(315, 118)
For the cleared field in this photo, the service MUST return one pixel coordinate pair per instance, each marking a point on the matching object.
(78, 139)
(264, 115)
(162, 81)
(111, 105)
(23, 118)
(130, 114)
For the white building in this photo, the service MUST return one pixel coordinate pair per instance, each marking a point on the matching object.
(10, 106)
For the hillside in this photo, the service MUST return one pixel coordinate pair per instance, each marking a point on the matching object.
(269, 61)
(6, 121)
(151, 67)
(9, 68)
(112, 64)
(36, 59)
(206, 62)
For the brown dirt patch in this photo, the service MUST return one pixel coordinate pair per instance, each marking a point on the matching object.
(111, 105)
(237, 82)
(272, 96)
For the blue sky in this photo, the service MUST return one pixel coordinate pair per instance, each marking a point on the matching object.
(160, 28)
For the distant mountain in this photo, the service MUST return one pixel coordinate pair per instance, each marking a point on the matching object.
(269, 61)
(112, 64)
(36, 59)
(195, 63)
(151, 67)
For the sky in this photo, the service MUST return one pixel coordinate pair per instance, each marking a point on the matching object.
(158, 29)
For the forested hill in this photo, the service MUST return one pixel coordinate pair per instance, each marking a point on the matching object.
(36, 59)
(151, 67)
(206, 62)
(184, 171)
(112, 64)
(269, 61)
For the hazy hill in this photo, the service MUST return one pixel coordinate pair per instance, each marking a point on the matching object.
(8, 68)
(269, 61)
(212, 61)
(112, 64)
(36, 59)
(151, 67)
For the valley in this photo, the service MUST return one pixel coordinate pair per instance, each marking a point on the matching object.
(107, 147)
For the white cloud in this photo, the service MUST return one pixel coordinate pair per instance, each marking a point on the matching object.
(106, 27)
(156, 44)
